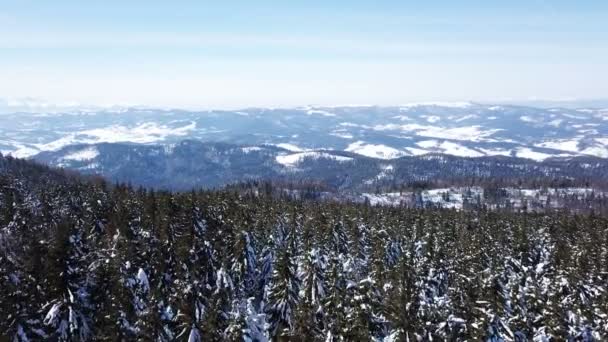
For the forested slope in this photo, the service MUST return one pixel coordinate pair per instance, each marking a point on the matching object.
(83, 261)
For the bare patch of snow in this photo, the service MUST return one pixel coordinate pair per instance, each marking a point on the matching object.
(438, 104)
(495, 152)
(556, 123)
(470, 133)
(428, 143)
(466, 117)
(293, 159)
(597, 151)
(289, 147)
(249, 149)
(417, 151)
(562, 145)
(528, 153)
(342, 135)
(144, 133)
(82, 155)
(526, 118)
(319, 112)
(458, 150)
(374, 151)
(432, 118)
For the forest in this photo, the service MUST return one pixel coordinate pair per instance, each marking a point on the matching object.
(85, 260)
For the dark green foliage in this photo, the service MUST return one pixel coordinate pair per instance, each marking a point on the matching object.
(83, 261)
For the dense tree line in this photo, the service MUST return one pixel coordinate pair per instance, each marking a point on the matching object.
(81, 260)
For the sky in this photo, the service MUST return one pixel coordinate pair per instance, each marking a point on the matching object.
(230, 54)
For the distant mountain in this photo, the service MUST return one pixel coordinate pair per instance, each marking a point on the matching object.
(191, 163)
(459, 129)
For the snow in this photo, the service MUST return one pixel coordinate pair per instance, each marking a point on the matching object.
(576, 117)
(385, 199)
(563, 145)
(428, 143)
(527, 153)
(466, 117)
(349, 124)
(142, 279)
(143, 133)
(495, 152)
(319, 112)
(602, 140)
(438, 104)
(539, 268)
(289, 147)
(450, 148)
(451, 198)
(417, 151)
(22, 151)
(597, 151)
(556, 122)
(459, 150)
(526, 118)
(22, 335)
(469, 133)
(374, 151)
(293, 159)
(52, 315)
(82, 155)
(250, 149)
(435, 196)
(386, 170)
(194, 336)
(432, 118)
(402, 118)
(169, 148)
(342, 135)
(256, 323)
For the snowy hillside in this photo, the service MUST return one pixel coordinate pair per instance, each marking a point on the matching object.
(460, 129)
(191, 164)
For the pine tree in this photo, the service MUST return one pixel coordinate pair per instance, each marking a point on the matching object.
(310, 315)
(283, 295)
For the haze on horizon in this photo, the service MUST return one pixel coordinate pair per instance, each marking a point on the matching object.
(267, 53)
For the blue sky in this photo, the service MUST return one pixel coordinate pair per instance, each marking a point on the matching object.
(288, 53)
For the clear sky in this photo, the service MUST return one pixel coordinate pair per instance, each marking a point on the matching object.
(289, 53)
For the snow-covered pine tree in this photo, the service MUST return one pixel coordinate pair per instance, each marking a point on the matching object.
(244, 266)
(283, 295)
(310, 316)
(22, 250)
(68, 314)
(200, 266)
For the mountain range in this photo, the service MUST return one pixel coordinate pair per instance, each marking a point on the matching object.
(192, 164)
(346, 148)
(461, 129)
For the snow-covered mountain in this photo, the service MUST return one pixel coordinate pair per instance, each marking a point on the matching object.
(459, 129)
(192, 164)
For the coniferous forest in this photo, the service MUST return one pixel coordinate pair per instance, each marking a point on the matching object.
(83, 260)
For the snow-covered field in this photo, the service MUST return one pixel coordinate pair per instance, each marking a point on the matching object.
(455, 198)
